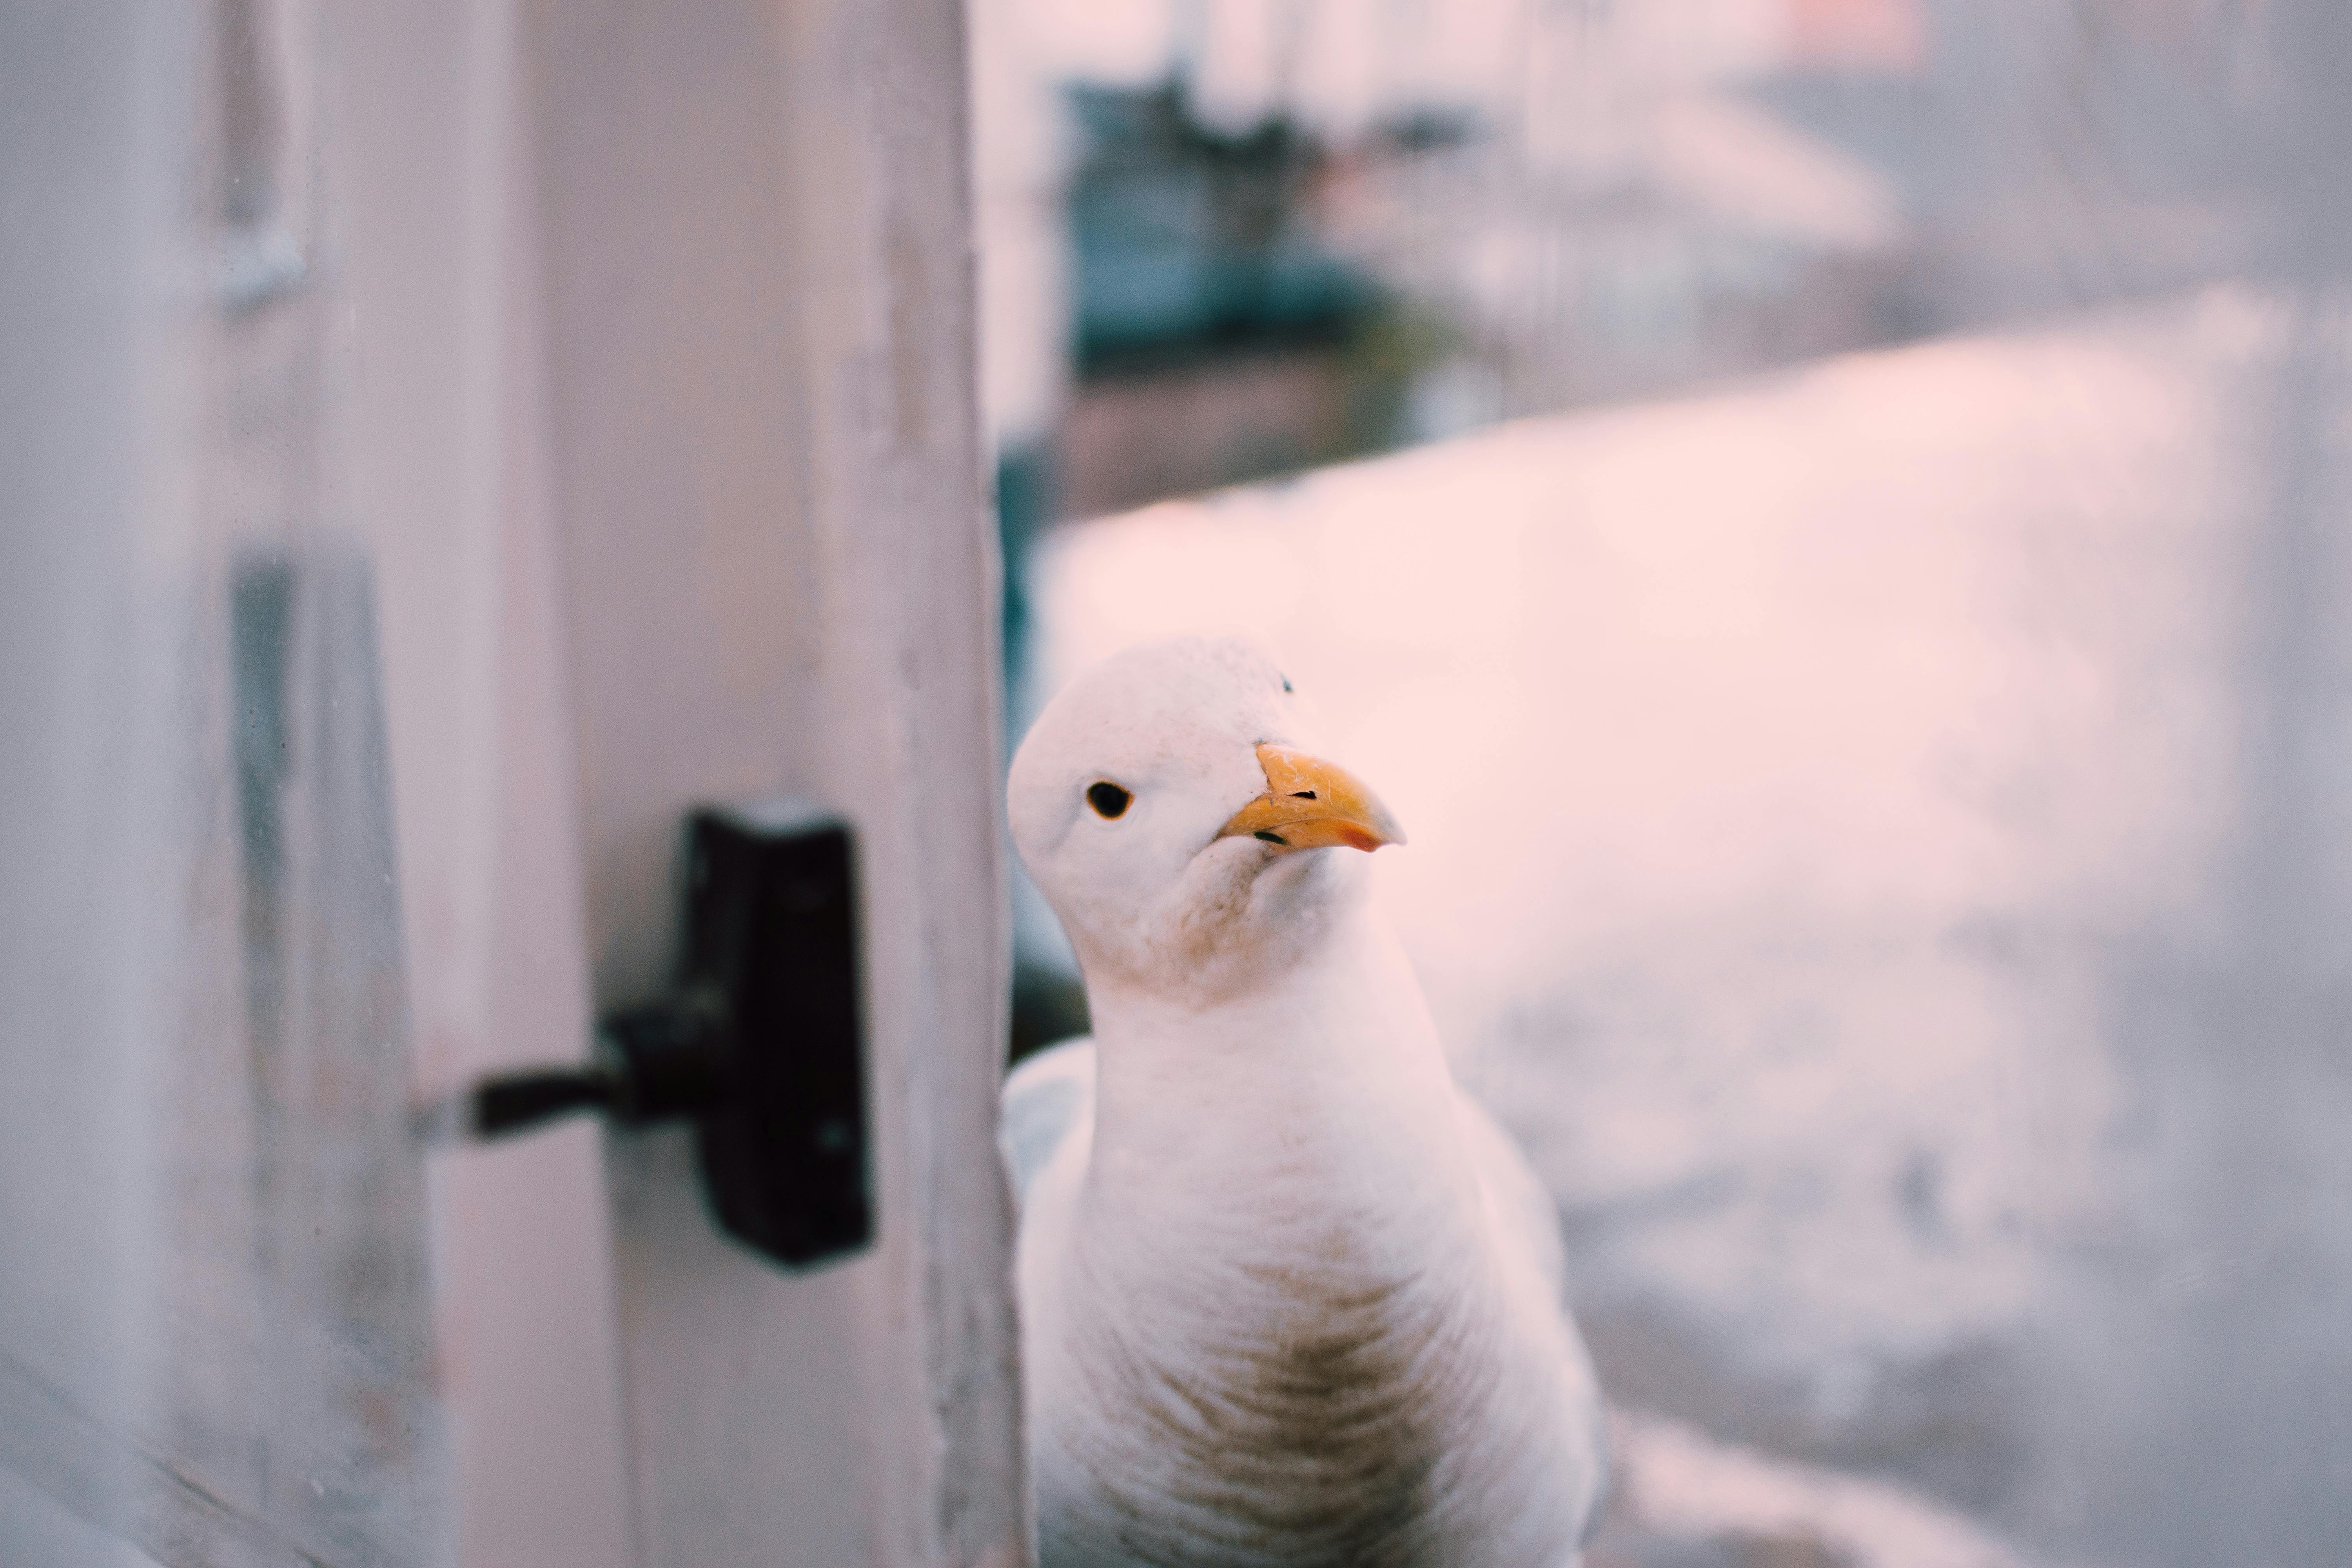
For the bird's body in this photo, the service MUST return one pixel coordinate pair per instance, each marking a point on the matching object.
(1287, 1297)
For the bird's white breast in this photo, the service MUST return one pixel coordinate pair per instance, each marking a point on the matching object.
(1277, 1319)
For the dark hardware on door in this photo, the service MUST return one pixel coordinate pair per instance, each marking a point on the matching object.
(759, 1043)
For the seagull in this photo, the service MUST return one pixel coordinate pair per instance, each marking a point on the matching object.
(1289, 1297)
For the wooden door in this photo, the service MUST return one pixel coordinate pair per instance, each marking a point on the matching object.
(446, 442)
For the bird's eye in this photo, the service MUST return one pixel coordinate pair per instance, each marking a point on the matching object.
(1286, 683)
(1107, 799)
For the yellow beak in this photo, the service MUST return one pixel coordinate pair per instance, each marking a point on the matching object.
(1310, 804)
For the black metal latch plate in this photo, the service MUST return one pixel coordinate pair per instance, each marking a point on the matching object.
(760, 1042)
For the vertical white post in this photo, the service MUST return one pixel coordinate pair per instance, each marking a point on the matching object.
(779, 576)
(444, 453)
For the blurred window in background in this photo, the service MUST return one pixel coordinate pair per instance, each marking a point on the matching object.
(1873, 726)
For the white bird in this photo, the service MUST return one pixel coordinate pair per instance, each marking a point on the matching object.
(1287, 1296)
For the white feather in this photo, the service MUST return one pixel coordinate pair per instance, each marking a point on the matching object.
(1046, 1099)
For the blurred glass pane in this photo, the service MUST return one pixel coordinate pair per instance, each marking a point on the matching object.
(215, 1342)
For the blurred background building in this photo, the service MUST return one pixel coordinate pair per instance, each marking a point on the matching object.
(1878, 503)
(1226, 240)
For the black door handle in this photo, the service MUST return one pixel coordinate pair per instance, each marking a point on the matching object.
(760, 1042)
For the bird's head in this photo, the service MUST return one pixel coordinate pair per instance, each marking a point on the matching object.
(1168, 807)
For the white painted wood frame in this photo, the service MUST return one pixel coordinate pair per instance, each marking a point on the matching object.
(731, 539)
(444, 442)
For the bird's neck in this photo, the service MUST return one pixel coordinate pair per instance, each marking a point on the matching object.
(1318, 1098)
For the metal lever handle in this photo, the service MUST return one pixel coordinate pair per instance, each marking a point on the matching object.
(761, 1045)
(513, 1102)
(662, 1061)
(658, 1062)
